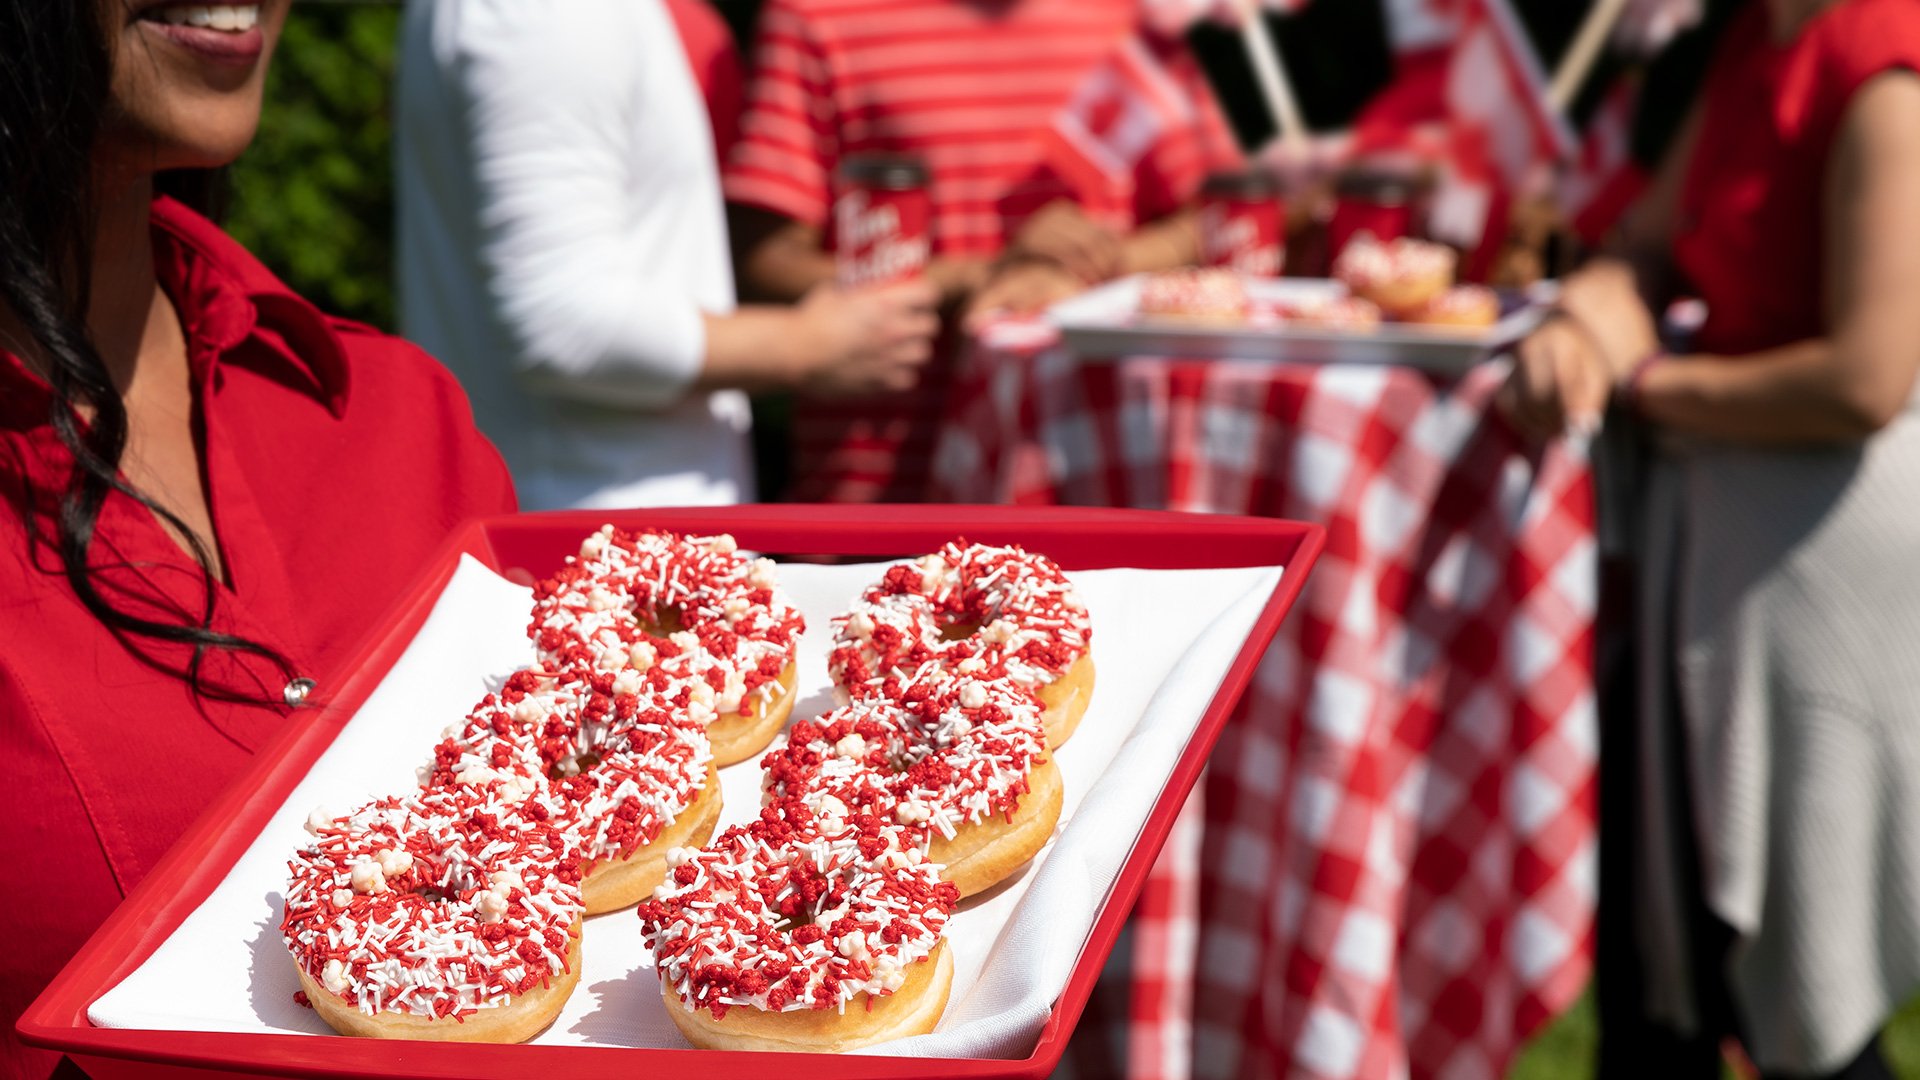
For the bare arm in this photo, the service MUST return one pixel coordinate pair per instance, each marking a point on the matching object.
(776, 259)
(1172, 241)
(1858, 378)
(833, 342)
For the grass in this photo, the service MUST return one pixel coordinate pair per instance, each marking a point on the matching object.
(1565, 1050)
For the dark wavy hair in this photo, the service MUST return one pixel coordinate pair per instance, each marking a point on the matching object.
(54, 91)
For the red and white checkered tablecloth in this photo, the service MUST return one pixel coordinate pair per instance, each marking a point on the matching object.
(1394, 871)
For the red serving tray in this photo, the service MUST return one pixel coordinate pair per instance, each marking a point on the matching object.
(537, 544)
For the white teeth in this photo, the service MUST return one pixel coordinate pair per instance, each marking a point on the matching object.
(233, 18)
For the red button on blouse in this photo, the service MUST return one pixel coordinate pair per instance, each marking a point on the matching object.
(337, 459)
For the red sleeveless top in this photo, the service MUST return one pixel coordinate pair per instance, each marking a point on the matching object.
(716, 67)
(1752, 224)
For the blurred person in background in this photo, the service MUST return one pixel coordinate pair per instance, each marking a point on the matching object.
(1777, 850)
(563, 247)
(209, 491)
(972, 88)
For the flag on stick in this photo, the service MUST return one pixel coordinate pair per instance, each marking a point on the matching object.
(1119, 112)
(1505, 136)
(1603, 179)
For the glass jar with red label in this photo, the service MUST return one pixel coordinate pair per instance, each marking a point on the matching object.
(881, 219)
(1243, 223)
(1387, 200)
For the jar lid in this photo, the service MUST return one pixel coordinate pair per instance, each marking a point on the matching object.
(1383, 184)
(885, 172)
(1253, 184)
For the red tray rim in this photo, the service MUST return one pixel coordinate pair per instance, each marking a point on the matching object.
(189, 871)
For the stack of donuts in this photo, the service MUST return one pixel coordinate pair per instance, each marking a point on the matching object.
(588, 781)
(454, 912)
(934, 781)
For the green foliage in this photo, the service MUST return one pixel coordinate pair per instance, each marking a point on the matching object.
(313, 196)
(1565, 1050)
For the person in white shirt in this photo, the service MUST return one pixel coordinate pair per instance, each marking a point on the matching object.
(563, 248)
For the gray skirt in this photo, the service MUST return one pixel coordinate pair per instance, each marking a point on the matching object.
(1781, 610)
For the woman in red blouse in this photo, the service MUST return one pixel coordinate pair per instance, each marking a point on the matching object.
(208, 489)
(1778, 848)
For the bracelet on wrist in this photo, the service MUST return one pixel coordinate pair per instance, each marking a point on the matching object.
(1629, 387)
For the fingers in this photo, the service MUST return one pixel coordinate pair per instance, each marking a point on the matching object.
(1093, 253)
(913, 294)
(1530, 396)
(919, 326)
(1559, 383)
(1062, 232)
(1584, 387)
(988, 304)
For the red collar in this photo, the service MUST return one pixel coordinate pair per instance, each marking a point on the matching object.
(225, 296)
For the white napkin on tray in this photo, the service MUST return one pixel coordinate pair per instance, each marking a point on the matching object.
(1162, 642)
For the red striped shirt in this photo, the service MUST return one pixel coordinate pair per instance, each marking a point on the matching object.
(973, 89)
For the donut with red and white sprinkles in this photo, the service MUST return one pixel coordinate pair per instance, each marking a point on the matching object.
(972, 609)
(964, 759)
(1401, 277)
(800, 931)
(691, 604)
(1195, 295)
(620, 749)
(449, 915)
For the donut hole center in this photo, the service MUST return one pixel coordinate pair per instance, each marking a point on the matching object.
(958, 631)
(573, 766)
(808, 912)
(662, 622)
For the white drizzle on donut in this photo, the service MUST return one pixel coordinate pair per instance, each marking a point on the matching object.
(783, 914)
(938, 753)
(1194, 291)
(737, 629)
(1027, 622)
(615, 747)
(1366, 262)
(439, 904)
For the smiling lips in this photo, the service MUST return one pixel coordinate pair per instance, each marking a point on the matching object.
(226, 34)
(230, 18)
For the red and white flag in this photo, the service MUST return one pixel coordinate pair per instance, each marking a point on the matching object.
(1495, 85)
(1173, 17)
(1505, 135)
(1603, 179)
(1418, 26)
(1116, 116)
(1646, 26)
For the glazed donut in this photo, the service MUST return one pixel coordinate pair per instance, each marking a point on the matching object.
(1401, 277)
(691, 604)
(1200, 296)
(1467, 306)
(964, 758)
(990, 612)
(448, 915)
(802, 932)
(638, 776)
